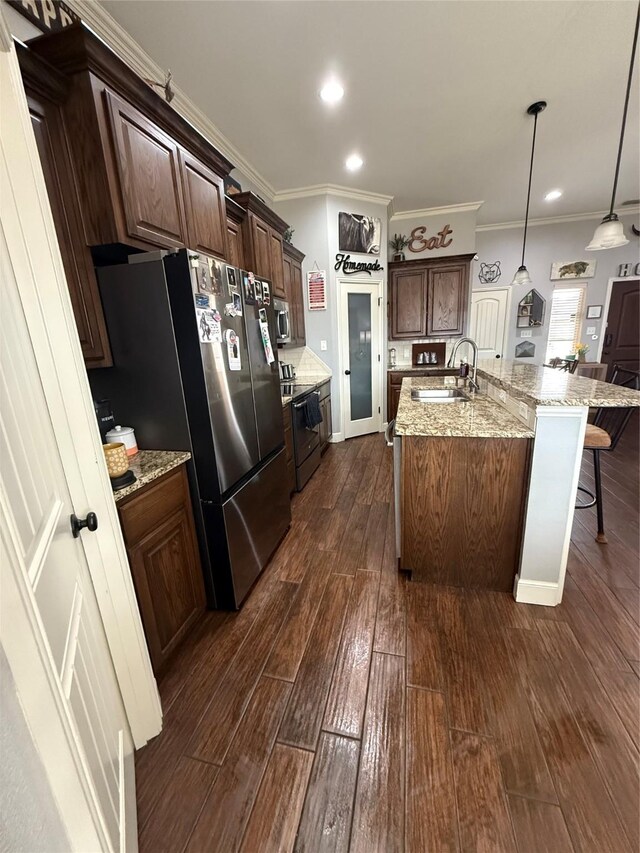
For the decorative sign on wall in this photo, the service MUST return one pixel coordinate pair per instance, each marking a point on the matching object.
(345, 265)
(626, 269)
(317, 290)
(418, 242)
(490, 273)
(359, 234)
(572, 269)
(50, 16)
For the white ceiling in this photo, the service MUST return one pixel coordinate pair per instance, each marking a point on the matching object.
(435, 93)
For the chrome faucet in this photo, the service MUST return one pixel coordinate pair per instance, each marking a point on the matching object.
(473, 383)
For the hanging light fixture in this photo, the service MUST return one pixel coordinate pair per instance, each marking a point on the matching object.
(610, 234)
(522, 274)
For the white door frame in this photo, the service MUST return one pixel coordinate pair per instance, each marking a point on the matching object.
(377, 372)
(35, 256)
(509, 292)
(605, 310)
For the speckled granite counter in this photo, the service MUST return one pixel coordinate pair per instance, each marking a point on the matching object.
(545, 386)
(148, 465)
(286, 400)
(481, 417)
(436, 369)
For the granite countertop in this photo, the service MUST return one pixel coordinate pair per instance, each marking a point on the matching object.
(148, 465)
(309, 380)
(545, 386)
(408, 368)
(481, 417)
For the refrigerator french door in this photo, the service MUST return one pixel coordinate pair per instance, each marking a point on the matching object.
(190, 373)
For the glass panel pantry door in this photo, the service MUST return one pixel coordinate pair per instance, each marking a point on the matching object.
(360, 316)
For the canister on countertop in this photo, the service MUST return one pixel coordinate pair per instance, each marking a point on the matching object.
(126, 435)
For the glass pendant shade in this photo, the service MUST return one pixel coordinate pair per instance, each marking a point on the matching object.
(521, 277)
(608, 235)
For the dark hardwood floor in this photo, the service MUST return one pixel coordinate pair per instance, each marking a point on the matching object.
(345, 708)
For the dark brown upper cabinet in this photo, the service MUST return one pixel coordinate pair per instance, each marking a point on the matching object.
(150, 185)
(235, 239)
(205, 207)
(294, 294)
(429, 297)
(263, 243)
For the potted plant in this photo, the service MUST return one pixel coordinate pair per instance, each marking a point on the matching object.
(581, 351)
(399, 242)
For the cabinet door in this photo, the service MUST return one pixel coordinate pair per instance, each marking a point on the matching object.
(287, 278)
(149, 171)
(408, 304)
(164, 566)
(392, 401)
(447, 302)
(235, 244)
(322, 428)
(76, 256)
(205, 208)
(327, 418)
(277, 273)
(297, 307)
(261, 246)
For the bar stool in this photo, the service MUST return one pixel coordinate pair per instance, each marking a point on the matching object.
(604, 434)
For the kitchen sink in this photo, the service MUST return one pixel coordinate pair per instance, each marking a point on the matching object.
(439, 395)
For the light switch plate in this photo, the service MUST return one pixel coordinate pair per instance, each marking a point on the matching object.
(524, 410)
(526, 334)
(323, 346)
(591, 330)
(502, 395)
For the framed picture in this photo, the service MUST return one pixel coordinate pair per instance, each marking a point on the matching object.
(359, 234)
(594, 312)
(572, 269)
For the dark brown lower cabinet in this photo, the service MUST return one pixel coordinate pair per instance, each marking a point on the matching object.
(157, 523)
(462, 509)
(326, 428)
(288, 448)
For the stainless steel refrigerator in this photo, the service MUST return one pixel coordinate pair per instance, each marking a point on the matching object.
(192, 372)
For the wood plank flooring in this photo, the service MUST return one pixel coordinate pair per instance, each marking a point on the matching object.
(345, 708)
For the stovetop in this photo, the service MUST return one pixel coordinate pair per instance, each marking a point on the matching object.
(295, 389)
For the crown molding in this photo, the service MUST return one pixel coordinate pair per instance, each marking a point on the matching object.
(468, 207)
(108, 30)
(629, 210)
(331, 189)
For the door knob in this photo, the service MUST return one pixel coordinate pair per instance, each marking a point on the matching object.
(347, 373)
(78, 524)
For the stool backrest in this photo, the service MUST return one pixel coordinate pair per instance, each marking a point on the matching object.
(611, 420)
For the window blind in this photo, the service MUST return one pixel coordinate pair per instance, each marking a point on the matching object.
(567, 306)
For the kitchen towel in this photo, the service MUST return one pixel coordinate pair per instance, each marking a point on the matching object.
(312, 413)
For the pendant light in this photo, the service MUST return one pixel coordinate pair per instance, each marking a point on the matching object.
(610, 234)
(522, 275)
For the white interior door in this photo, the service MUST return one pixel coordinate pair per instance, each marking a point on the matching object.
(36, 510)
(361, 338)
(488, 328)
(51, 628)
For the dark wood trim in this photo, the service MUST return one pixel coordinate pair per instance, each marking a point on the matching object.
(234, 211)
(290, 250)
(251, 202)
(76, 49)
(40, 77)
(420, 263)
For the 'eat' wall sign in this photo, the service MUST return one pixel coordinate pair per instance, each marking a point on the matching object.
(418, 242)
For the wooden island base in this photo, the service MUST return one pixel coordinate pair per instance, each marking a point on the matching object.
(462, 513)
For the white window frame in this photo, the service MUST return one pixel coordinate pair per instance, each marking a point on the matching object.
(566, 285)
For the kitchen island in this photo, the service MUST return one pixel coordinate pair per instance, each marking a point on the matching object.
(468, 494)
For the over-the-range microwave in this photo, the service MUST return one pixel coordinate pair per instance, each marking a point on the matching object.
(283, 324)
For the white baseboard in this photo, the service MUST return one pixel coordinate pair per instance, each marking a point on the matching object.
(336, 438)
(537, 592)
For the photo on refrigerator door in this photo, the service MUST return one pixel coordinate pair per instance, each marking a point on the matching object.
(247, 288)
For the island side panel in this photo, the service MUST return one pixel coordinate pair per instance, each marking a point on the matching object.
(553, 485)
(463, 503)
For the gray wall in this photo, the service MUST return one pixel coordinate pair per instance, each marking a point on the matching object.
(315, 220)
(29, 819)
(545, 245)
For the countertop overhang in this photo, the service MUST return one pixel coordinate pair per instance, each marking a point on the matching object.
(480, 417)
(546, 386)
(148, 465)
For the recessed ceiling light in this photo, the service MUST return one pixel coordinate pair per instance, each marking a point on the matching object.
(331, 92)
(354, 162)
(552, 195)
